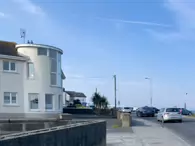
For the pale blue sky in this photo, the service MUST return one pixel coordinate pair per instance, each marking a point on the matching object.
(133, 39)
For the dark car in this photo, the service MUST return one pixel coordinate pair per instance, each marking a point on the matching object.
(155, 110)
(186, 112)
(145, 111)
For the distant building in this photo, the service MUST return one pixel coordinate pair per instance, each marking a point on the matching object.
(70, 96)
(30, 80)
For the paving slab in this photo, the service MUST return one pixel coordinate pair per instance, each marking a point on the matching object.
(154, 134)
(144, 133)
(122, 139)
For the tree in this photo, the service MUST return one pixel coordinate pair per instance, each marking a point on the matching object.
(99, 101)
(104, 102)
(96, 98)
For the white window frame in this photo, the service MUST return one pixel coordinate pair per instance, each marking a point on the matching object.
(28, 73)
(38, 102)
(9, 70)
(10, 98)
(53, 102)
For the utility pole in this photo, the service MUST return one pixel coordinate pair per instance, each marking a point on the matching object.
(115, 91)
(95, 90)
(185, 102)
(151, 91)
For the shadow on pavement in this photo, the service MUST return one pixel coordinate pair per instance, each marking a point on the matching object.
(136, 122)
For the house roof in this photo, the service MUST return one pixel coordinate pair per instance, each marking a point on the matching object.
(74, 94)
(8, 48)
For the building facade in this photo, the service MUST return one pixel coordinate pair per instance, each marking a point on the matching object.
(70, 96)
(30, 80)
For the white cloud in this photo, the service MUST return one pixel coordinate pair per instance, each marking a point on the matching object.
(133, 83)
(135, 22)
(30, 7)
(164, 36)
(183, 13)
(2, 14)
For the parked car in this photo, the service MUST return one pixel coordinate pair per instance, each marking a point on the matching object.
(134, 109)
(184, 111)
(145, 111)
(169, 114)
(126, 109)
(155, 110)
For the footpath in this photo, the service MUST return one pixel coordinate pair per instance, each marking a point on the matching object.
(143, 133)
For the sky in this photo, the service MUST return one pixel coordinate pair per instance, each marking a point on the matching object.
(132, 39)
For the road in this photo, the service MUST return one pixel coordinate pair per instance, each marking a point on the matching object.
(185, 130)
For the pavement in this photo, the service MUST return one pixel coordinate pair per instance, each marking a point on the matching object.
(143, 133)
(185, 130)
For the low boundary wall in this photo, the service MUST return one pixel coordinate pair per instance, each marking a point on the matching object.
(91, 133)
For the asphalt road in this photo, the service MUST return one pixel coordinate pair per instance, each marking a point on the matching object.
(185, 130)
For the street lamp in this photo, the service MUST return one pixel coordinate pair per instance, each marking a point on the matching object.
(185, 102)
(150, 80)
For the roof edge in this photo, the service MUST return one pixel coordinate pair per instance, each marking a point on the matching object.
(21, 58)
(40, 45)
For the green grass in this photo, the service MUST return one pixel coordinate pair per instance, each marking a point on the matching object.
(192, 115)
(115, 126)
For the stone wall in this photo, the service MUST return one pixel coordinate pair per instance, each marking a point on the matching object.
(92, 133)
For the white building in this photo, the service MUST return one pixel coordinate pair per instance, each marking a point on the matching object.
(70, 96)
(30, 80)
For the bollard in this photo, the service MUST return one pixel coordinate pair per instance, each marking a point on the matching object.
(126, 120)
(23, 127)
(46, 125)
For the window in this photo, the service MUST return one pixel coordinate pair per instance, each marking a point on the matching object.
(30, 70)
(53, 54)
(53, 79)
(33, 101)
(172, 110)
(49, 102)
(59, 71)
(162, 110)
(59, 101)
(42, 51)
(9, 66)
(53, 65)
(10, 98)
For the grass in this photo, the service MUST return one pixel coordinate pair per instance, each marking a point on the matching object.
(192, 115)
(115, 126)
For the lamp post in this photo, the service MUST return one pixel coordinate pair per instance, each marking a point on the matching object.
(151, 92)
(185, 102)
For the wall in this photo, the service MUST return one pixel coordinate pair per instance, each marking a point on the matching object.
(41, 82)
(12, 82)
(81, 134)
(66, 97)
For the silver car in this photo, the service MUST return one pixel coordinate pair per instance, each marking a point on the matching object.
(126, 109)
(169, 114)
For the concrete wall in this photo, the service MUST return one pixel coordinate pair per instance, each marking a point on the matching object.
(81, 134)
(66, 97)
